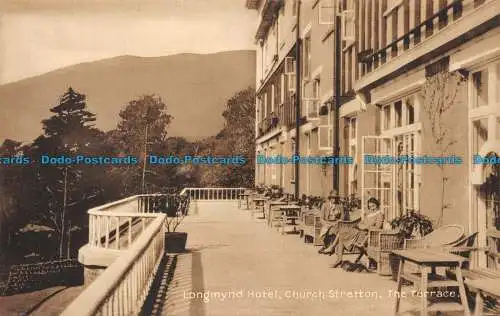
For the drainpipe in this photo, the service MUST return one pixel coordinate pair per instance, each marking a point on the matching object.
(297, 97)
(337, 104)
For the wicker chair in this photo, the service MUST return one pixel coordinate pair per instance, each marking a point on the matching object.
(380, 245)
(310, 226)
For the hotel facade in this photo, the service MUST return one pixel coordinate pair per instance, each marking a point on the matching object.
(417, 78)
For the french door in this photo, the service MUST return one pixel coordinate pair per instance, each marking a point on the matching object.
(377, 180)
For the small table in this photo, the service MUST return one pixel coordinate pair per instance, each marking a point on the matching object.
(427, 261)
(483, 287)
(289, 212)
(260, 202)
(244, 196)
(273, 209)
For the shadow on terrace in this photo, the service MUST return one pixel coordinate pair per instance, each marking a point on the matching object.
(240, 260)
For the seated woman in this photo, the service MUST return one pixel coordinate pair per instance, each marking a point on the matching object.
(331, 212)
(347, 239)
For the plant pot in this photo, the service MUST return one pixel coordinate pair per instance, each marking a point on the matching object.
(175, 242)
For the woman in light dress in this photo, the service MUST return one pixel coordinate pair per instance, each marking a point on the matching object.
(357, 236)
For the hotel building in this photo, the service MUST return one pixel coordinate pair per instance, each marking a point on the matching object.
(418, 78)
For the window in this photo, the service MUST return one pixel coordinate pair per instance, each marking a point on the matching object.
(498, 127)
(290, 73)
(294, 7)
(480, 82)
(398, 107)
(307, 57)
(406, 182)
(266, 57)
(479, 134)
(325, 130)
(485, 123)
(264, 113)
(313, 110)
(498, 82)
(410, 111)
(282, 86)
(326, 12)
(401, 138)
(353, 128)
(272, 97)
(348, 20)
(386, 112)
(262, 108)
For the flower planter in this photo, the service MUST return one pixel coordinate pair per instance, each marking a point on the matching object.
(175, 242)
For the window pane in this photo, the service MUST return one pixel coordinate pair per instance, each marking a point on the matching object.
(480, 81)
(398, 107)
(410, 112)
(498, 82)
(387, 117)
(480, 134)
(353, 128)
(498, 128)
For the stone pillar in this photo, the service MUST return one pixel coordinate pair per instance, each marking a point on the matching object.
(95, 260)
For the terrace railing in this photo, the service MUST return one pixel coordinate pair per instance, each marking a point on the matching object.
(111, 225)
(135, 226)
(122, 288)
(213, 194)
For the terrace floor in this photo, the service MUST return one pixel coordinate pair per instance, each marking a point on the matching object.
(263, 272)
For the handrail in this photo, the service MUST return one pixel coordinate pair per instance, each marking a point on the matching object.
(222, 193)
(415, 31)
(123, 286)
(106, 225)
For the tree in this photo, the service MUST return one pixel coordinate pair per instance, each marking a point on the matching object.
(62, 190)
(237, 138)
(10, 185)
(440, 95)
(142, 130)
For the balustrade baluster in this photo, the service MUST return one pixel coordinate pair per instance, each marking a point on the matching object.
(117, 233)
(91, 226)
(107, 232)
(129, 231)
(109, 309)
(98, 244)
(121, 299)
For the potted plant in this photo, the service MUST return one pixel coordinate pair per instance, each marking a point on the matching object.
(411, 224)
(176, 210)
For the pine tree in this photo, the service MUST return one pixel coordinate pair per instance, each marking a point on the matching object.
(68, 132)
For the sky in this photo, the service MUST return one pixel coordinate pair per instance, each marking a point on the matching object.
(37, 36)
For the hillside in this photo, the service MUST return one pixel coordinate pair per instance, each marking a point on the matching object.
(194, 87)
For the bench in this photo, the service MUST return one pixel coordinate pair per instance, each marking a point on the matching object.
(485, 284)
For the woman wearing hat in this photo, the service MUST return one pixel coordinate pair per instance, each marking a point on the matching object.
(347, 239)
(331, 212)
